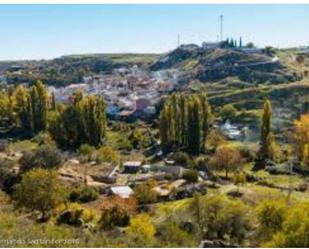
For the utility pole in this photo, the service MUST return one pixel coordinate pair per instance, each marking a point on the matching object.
(221, 27)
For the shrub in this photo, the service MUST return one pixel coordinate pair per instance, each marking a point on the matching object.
(201, 164)
(7, 177)
(228, 112)
(44, 138)
(190, 175)
(173, 236)
(84, 194)
(141, 230)
(145, 194)
(86, 152)
(116, 211)
(221, 218)
(271, 215)
(295, 229)
(141, 138)
(248, 152)
(47, 157)
(75, 215)
(214, 139)
(108, 154)
(182, 159)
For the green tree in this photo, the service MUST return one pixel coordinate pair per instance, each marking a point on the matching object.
(94, 118)
(38, 107)
(46, 156)
(205, 118)
(194, 127)
(40, 190)
(183, 120)
(164, 128)
(21, 96)
(266, 138)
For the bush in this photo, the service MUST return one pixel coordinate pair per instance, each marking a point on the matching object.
(108, 154)
(86, 152)
(190, 175)
(173, 236)
(145, 194)
(141, 230)
(47, 157)
(271, 214)
(214, 139)
(75, 215)
(84, 194)
(221, 218)
(44, 138)
(201, 164)
(294, 233)
(116, 211)
(182, 159)
(248, 153)
(228, 112)
(7, 178)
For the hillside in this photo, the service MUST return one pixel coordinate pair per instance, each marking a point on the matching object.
(208, 65)
(70, 69)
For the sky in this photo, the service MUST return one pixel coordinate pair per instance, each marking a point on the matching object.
(49, 31)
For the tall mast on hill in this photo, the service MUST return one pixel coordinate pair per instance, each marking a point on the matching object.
(221, 27)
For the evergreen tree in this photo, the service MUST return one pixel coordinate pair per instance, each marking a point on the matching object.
(240, 42)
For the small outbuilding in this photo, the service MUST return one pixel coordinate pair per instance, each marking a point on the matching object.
(121, 191)
(132, 167)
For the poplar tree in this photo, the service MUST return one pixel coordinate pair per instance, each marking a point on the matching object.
(183, 120)
(184, 123)
(38, 107)
(194, 137)
(94, 119)
(20, 96)
(205, 118)
(266, 138)
(164, 130)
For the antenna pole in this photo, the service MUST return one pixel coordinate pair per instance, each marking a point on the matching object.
(221, 27)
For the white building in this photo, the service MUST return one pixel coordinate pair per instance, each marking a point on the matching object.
(122, 191)
(211, 45)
